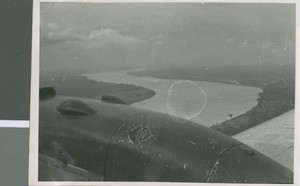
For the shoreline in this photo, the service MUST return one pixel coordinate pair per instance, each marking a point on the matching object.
(265, 110)
(80, 86)
(270, 103)
(215, 90)
(204, 81)
(276, 98)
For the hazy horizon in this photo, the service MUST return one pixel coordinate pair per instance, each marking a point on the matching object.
(120, 36)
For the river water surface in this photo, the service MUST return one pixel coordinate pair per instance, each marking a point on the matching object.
(206, 103)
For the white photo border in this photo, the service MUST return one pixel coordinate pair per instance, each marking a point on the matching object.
(34, 97)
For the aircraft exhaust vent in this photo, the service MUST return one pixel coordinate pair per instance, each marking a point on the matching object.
(47, 92)
(73, 107)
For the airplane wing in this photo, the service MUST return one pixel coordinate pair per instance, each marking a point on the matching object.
(273, 138)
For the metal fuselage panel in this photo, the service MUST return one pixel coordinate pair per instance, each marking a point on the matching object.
(79, 140)
(124, 143)
(155, 147)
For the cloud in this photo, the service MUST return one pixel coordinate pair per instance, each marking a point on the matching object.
(268, 45)
(167, 32)
(228, 42)
(52, 33)
(110, 37)
(245, 43)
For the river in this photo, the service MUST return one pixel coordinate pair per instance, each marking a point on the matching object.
(216, 102)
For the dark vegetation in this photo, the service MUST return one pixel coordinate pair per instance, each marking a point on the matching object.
(277, 82)
(80, 86)
(275, 100)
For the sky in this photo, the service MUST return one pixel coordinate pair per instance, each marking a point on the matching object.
(122, 36)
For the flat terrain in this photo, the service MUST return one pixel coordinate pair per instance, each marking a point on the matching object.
(274, 138)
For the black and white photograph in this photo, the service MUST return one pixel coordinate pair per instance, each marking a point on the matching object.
(169, 92)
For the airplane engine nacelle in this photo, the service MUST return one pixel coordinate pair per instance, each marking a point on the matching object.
(90, 140)
(150, 147)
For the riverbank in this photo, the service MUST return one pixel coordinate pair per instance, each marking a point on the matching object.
(277, 83)
(222, 99)
(275, 100)
(80, 86)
